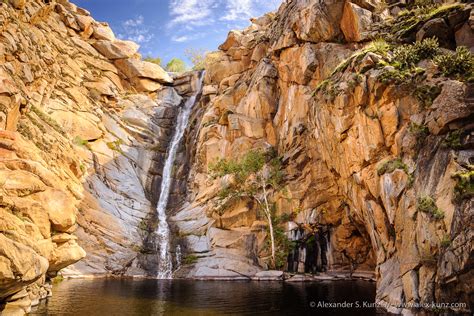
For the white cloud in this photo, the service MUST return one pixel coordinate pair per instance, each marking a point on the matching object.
(187, 38)
(135, 30)
(180, 39)
(188, 15)
(134, 22)
(194, 12)
(238, 10)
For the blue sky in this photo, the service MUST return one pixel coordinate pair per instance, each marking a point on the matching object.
(166, 28)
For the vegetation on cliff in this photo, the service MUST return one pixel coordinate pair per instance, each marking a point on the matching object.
(255, 175)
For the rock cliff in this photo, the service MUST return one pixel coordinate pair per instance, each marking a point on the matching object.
(84, 126)
(373, 147)
(374, 138)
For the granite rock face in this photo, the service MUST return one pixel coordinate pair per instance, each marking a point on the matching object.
(288, 82)
(371, 167)
(77, 144)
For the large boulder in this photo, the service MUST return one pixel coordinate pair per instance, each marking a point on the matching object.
(19, 265)
(319, 21)
(465, 37)
(137, 68)
(103, 32)
(60, 208)
(437, 28)
(117, 49)
(66, 254)
(355, 22)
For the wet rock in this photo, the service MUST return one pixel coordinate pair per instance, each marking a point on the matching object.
(270, 275)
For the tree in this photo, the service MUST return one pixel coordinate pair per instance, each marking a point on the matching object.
(176, 65)
(201, 58)
(197, 57)
(254, 176)
(155, 60)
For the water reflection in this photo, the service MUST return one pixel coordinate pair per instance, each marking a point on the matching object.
(185, 297)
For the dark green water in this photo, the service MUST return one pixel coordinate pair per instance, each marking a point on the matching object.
(186, 297)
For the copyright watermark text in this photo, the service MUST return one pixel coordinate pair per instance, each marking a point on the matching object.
(366, 304)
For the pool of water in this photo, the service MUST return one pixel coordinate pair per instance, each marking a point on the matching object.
(190, 297)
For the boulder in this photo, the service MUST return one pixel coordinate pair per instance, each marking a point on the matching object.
(136, 68)
(103, 32)
(60, 208)
(65, 255)
(84, 21)
(145, 85)
(297, 64)
(465, 37)
(77, 125)
(117, 49)
(270, 275)
(318, 21)
(19, 266)
(449, 106)
(437, 28)
(233, 40)
(18, 4)
(20, 182)
(355, 22)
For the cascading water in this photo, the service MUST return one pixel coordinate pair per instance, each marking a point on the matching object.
(163, 230)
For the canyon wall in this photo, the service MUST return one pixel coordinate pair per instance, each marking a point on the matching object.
(84, 128)
(376, 159)
(363, 151)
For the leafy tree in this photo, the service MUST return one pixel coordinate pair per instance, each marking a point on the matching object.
(155, 60)
(176, 65)
(254, 176)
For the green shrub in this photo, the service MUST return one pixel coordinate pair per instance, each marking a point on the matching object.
(143, 225)
(446, 241)
(79, 141)
(464, 183)
(453, 140)
(190, 259)
(57, 279)
(420, 131)
(83, 168)
(428, 205)
(458, 65)
(401, 76)
(155, 60)
(427, 48)
(283, 246)
(115, 145)
(176, 65)
(406, 56)
(48, 120)
(426, 94)
(392, 165)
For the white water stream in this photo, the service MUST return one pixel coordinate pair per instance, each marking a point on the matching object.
(165, 267)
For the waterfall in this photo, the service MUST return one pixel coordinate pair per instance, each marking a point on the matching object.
(178, 256)
(163, 231)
